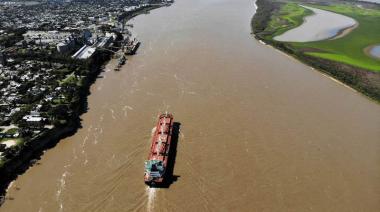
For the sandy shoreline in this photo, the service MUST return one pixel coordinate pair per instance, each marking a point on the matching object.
(345, 31)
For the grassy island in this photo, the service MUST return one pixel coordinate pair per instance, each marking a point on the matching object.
(344, 57)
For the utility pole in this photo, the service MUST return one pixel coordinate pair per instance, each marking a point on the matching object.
(3, 58)
(39, 36)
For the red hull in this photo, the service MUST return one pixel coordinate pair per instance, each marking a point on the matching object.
(156, 164)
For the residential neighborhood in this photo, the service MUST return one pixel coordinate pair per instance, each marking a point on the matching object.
(47, 51)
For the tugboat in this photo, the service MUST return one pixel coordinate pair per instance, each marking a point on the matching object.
(122, 61)
(156, 165)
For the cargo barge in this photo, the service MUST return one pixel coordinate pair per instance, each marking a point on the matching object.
(156, 165)
(131, 46)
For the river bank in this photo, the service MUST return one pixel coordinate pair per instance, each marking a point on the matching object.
(30, 153)
(33, 150)
(345, 31)
(344, 67)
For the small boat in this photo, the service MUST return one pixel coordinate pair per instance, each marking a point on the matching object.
(122, 61)
(156, 165)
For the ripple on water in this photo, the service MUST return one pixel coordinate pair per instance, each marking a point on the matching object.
(151, 193)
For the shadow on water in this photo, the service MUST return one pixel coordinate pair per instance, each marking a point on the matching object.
(170, 177)
(31, 153)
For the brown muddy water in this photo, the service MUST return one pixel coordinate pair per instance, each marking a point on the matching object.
(259, 130)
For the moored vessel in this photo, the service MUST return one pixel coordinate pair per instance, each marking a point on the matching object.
(156, 165)
(121, 62)
(131, 46)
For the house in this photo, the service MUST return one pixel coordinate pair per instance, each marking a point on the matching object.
(34, 120)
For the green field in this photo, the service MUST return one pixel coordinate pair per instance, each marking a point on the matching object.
(18, 140)
(12, 131)
(350, 48)
(290, 16)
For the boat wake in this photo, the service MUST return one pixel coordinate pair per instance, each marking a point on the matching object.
(113, 114)
(61, 188)
(151, 193)
(127, 108)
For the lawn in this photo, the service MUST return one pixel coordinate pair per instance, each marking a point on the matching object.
(17, 140)
(350, 48)
(72, 79)
(12, 131)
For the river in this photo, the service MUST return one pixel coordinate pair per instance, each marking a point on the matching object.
(259, 131)
(373, 1)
